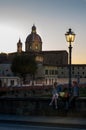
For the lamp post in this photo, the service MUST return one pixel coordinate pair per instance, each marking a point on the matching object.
(70, 37)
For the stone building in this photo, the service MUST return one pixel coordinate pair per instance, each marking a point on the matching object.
(52, 64)
(33, 44)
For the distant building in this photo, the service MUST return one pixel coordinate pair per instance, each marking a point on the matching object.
(7, 81)
(61, 72)
(52, 64)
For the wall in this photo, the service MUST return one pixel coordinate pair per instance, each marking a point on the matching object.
(40, 106)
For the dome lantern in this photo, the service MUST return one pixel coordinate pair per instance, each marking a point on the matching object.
(33, 29)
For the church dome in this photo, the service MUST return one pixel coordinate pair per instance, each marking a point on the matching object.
(33, 38)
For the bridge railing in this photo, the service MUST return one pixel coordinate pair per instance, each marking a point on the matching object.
(39, 106)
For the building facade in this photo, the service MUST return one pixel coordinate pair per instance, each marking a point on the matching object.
(61, 73)
(52, 64)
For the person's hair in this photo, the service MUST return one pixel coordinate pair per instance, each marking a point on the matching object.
(55, 83)
(75, 82)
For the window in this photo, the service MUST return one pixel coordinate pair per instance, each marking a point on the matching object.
(12, 82)
(78, 73)
(83, 73)
(46, 72)
(52, 72)
(56, 72)
(78, 67)
(73, 68)
(36, 47)
(72, 72)
(83, 67)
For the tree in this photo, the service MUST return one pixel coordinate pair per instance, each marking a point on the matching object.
(24, 64)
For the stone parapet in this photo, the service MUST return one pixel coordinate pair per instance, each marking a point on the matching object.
(40, 106)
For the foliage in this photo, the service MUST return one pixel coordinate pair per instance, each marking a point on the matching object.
(82, 91)
(24, 64)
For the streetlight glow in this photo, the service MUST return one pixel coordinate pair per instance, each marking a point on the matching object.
(70, 36)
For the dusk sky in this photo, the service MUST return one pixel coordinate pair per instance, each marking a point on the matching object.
(52, 19)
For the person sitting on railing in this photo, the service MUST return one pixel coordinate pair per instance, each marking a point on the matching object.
(54, 95)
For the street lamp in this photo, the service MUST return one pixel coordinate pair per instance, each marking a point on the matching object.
(70, 37)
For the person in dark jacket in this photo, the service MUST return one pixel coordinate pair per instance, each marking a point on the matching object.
(75, 93)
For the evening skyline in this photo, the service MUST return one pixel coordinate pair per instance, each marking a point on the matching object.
(52, 19)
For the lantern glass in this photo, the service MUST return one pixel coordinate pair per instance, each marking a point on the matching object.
(70, 36)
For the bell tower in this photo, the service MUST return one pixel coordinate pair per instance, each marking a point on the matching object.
(19, 46)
